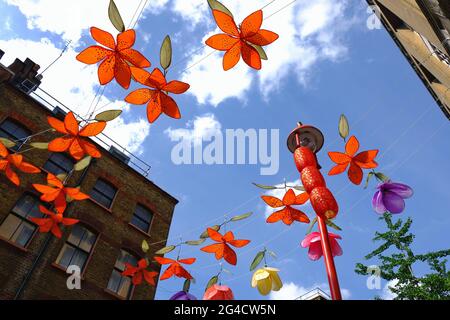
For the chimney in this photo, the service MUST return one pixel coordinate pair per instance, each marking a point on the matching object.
(26, 77)
(5, 73)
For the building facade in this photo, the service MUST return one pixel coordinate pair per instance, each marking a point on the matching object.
(125, 208)
(421, 29)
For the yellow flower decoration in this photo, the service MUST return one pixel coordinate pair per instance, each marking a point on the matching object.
(266, 279)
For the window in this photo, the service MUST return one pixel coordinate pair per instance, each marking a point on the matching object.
(59, 163)
(117, 283)
(77, 248)
(17, 227)
(142, 218)
(103, 193)
(14, 131)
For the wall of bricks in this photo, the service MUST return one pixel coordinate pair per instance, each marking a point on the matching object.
(112, 226)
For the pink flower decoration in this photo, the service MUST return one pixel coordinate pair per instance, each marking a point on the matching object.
(217, 292)
(313, 241)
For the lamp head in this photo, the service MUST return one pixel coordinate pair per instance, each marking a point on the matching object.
(305, 136)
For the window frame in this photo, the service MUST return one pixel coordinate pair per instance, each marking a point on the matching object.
(90, 254)
(57, 165)
(116, 269)
(150, 223)
(23, 220)
(10, 136)
(103, 194)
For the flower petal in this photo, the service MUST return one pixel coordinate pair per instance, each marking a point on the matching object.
(263, 38)
(310, 238)
(176, 87)
(250, 56)
(232, 57)
(89, 148)
(315, 251)
(393, 202)
(226, 23)
(126, 39)
(56, 124)
(222, 42)
(71, 124)
(251, 24)
(401, 189)
(289, 198)
(93, 129)
(355, 173)
(169, 106)
(122, 73)
(140, 96)
(336, 249)
(135, 57)
(93, 54)
(352, 146)
(60, 144)
(106, 70)
(377, 203)
(154, 109)
(272, 201)
(103, 37)
(338, 169)
(339, 157)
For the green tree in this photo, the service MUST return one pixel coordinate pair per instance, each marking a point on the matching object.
(396, 262)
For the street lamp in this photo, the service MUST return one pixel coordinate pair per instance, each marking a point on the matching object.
(304, 142)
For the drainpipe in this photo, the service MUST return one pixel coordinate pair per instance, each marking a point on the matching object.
(44, 247)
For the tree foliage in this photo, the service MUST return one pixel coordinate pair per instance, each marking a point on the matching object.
(397, 261)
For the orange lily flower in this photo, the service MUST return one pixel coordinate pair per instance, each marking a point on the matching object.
(116, 58)
(57, 192)
(222, 249)
(8, 161)
(73, 140)
(139, 272)
(288, 214)
(175, 268)
(157, 98)
(52, 223)
(363, 160)
(239, 41)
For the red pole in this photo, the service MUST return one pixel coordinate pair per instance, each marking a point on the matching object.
(329, 260)
(326, 247)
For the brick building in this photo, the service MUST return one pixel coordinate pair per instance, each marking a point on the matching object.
(421, 29)
(125, 208)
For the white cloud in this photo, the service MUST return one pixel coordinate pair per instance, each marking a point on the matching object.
(310, 31)
(201, 128)
(387, 294)
(69, 18)
(74, 84)
(292, 291)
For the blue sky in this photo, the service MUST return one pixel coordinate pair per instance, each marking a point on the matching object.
(327, 62)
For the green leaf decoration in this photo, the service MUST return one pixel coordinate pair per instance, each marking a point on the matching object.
(242, 216)
(144, 246)
(299, 188)
(165, 250)
(344, 128)
(108, 115)
(115, 17)
(333, 225)
(82, 164)
(165, 56)
(7, 143)
(262, 53)
(216, 5)
(212, 282)
(272, 254)
(381, 176)
(40, 145)
(195, 242)
(186, 285)
(204, 235)
(311, 225)
(261, 186)
(62, 176)
(257, 260)
(369, 176)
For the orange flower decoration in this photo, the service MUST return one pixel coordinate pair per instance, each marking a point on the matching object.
(8, 161)
(139, 272)
(157, 98)
(73, 139)
(288, 214)
(240, 41)
(55, 191)
(52, 223)
(116, 58)
(175, 268)
(363, 160)
(222, 249)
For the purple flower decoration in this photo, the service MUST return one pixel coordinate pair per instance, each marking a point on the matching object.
(183, 295)
(390, 197)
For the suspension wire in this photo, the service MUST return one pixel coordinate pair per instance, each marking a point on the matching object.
(59, 57)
